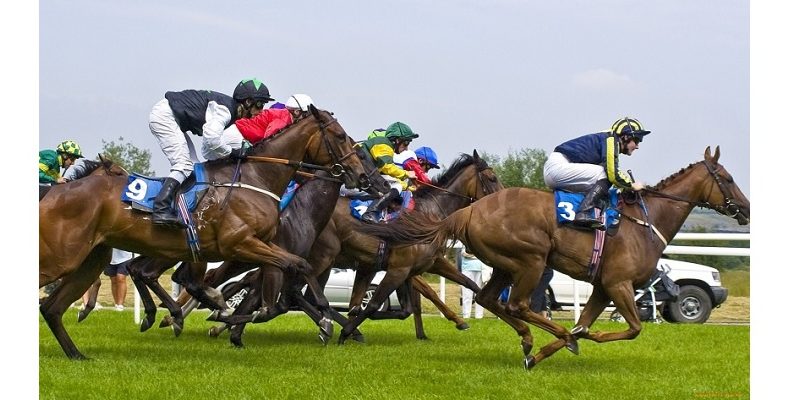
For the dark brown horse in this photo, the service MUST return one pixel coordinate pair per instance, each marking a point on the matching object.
(515, 231)
(79, 226)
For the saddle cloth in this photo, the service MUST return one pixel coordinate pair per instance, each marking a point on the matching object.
(567, 205)
(140, 190)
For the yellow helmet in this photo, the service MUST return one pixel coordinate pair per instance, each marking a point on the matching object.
(629, 126)
(70, 148)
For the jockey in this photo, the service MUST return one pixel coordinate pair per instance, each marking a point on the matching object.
(51, 161)
(590, 162)
(383, 148)
(203, 113)
(410, 161)
(271, 120)
(427, 158)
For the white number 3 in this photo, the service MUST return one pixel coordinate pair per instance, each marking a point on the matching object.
(136, 190)
(567, 208)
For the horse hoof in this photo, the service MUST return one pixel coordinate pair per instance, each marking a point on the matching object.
(167, 320)
(236, 341)
(326, 327)
(580, 331)
(257, 317)
(213, 316)
(573, 346)
(529, 362)
(462, 327)
(359, 338)
(422, 337)
(177, 328)
(323, 338)
(145, 324)
(342, 338)
(82, 315)
(214, 331)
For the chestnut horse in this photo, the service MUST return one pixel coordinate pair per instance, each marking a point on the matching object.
(79, 226)
(515, 231)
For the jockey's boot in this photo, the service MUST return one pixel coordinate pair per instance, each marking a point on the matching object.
(370, 214)
(163, 213)
(586, 215)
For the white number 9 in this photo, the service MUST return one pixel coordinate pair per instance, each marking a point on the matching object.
(136, 190)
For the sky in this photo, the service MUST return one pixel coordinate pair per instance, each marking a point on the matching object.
(495, 75)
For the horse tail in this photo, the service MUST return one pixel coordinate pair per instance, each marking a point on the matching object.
(418, 228)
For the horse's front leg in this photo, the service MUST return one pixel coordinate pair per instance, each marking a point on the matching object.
(423, 288)
(149, 307)
(93, 294)
(393, 279)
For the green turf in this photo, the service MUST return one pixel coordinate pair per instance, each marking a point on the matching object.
(283, 359)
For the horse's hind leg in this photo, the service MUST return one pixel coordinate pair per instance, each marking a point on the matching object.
(93, 294)
(489, 299)
(622, 295)
(70, 289)
(424, 289)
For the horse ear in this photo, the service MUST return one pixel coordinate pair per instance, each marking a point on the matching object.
(716, 155)
(707, 153)
(475, 155)
(313, 110)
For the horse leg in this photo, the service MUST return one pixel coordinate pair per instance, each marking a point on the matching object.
(622, 294)
(416, 307)
(70, 289)
(424, 289)
(489, 299)
(249, 304)
(190, 275)
(93, 294)
(524, 284)
(393, 278)
(364, 275)
(149, 306)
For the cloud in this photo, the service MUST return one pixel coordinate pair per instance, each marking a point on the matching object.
(603, 79)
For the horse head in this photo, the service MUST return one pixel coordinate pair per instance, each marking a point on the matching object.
(335, 147)
(469, 176)
(706, 184)
(728, 199)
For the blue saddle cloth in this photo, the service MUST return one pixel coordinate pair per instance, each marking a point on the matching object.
(567, 205)
(141, 190)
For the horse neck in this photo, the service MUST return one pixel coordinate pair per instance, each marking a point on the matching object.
(441, 204)
(669, 215)
(291, 145)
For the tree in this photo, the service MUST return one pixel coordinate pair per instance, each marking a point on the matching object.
(521, 168)
(129, 156)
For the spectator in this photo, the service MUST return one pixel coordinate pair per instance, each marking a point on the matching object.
(117, 271)
(472, 268)
(540, 302)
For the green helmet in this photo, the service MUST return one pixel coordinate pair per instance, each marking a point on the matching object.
(70, 148)
(399, 130)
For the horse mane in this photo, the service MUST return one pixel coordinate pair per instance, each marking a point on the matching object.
(458, 165)
(666, 181)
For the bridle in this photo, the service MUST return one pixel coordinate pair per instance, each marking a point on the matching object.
(729, 208)
(337, 169)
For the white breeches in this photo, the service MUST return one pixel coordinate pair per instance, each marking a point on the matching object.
(559, 173)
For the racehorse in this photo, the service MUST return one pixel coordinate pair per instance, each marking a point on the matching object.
(515, 231)
(104, 166)
(299, 224)
(467, 179)
(87, 220)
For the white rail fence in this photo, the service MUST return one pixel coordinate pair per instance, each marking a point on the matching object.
(671, 249)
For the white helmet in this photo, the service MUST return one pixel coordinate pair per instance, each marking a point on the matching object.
(299, 102)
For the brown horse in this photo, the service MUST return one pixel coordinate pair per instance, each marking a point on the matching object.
(467, 180)
(79, 226)
(515, 231)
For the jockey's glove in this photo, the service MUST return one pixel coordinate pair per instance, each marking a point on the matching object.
(242, 152)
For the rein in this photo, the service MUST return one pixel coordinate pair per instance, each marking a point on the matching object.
(730, 208)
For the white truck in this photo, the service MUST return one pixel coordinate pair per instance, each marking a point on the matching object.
(700, 291)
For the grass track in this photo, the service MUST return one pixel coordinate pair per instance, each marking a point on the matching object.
(283, 359)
